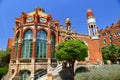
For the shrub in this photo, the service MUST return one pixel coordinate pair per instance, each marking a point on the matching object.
(110, 72)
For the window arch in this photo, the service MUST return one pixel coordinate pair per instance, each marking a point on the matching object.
(27, 44)
(68, 38)
(16, 45)
(41, 44)
(53, 46)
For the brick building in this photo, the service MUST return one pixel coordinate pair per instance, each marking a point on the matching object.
(110, 35)
(36, 36)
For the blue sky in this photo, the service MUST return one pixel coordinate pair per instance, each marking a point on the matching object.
(105, 11)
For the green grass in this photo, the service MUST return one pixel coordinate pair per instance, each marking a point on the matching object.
(100, 73)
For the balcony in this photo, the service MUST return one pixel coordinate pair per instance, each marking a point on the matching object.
(41, 61)
(21, 60)
(38, 61)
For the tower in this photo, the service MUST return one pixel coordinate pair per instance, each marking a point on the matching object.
(92, 27)
(94, 45)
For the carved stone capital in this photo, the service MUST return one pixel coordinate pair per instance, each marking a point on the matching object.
(20, 41)
(13, 43)
(48, 41)
(34, 40)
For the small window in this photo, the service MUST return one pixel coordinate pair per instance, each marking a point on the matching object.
(111, 38)
(117, 33)
(103, 34)
(118, 40)
(108, 32)
(104, 41)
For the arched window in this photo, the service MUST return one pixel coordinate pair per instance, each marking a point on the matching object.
(16, 45)
(53, 46)
(27, 44)
(41, 44)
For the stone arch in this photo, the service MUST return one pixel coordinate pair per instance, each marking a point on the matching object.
(80, 69)
(17, 35)
(26, 29)
(43, 30)
(68, 38)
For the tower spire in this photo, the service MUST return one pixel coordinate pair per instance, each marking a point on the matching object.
(92, 27)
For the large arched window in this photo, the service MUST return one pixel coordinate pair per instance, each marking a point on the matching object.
(27, 44)
(41, 44)
(52, 46)
(16, 45)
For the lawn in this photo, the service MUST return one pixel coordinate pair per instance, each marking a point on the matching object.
(108, 72)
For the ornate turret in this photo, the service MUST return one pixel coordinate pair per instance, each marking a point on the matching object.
(92, 27)
(68, 24)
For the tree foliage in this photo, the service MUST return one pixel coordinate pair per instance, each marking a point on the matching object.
(4, 61)
(70, 51)
(111, 52)
(5, 57)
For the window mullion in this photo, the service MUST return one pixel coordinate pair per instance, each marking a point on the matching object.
(39, 49)
(43, 50)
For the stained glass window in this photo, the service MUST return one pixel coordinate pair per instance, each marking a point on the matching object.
(27, 44)
(52, 46)
(41, 44)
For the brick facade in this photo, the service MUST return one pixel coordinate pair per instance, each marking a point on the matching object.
(110, 35)
(39, 20)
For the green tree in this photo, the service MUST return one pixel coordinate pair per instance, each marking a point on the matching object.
(70, 51)
(5, 57)
(4, 61)
(110, 52)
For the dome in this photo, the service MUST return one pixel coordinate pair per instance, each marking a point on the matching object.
(89, 13)
(40, 11)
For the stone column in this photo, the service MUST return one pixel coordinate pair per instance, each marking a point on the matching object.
(19, 49)
(13, 47)
(49, 71)
(20, 44)
(34, 42)
(49, 74)
(13, 51)
(33, 51)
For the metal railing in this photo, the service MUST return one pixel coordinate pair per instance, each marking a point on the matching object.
(40, 74)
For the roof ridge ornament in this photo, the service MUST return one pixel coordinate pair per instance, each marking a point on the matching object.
(39, 9)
